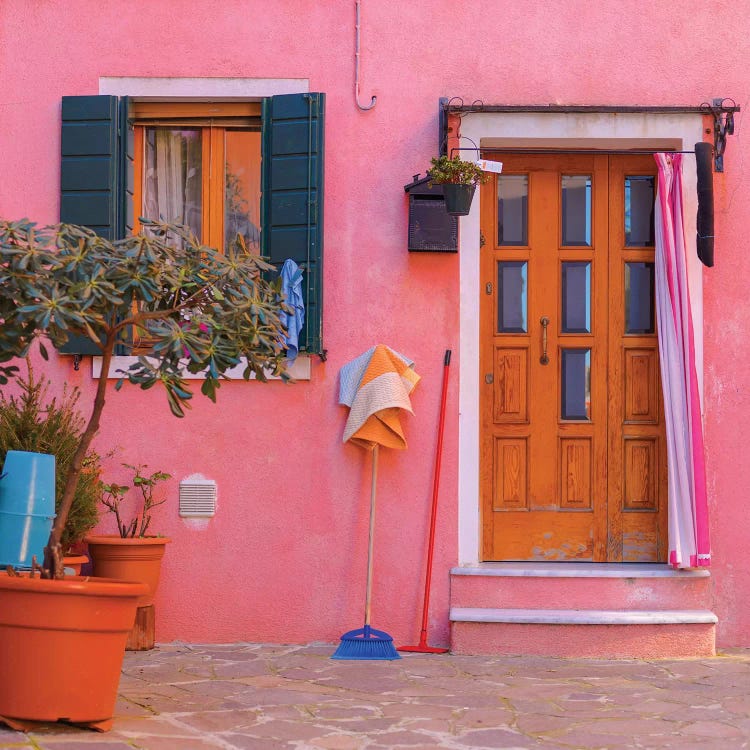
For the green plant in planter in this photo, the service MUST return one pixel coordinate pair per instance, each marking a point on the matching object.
(34, 421)
(113, 494)
(203, 312)
(455, 171)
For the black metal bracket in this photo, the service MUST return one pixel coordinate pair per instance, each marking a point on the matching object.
(723, 126)
(323, 355)
(77, 361)
(443, 126)
(722, 110)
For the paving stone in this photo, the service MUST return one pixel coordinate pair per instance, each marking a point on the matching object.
(51, 744)
(252, 697)
(285, 731)
(481, 718)
(241, 669)
(247, 742)
(712, 729)
(365, 727)
(399, 739)
(536, 724)
(342, 711)
(183, 743)
(496, 738)
(220, 721)
(8, 736)
(338, 742)
(421, 710)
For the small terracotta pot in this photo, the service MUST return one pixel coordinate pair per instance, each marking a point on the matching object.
(75, 562)
(52, 630)
(131, 559)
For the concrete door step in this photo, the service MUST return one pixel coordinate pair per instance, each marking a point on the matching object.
(584, 632)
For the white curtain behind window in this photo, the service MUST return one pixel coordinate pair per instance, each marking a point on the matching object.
(172, 184)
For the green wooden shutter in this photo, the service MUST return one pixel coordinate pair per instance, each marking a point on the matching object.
(96, 174)
(293, 150)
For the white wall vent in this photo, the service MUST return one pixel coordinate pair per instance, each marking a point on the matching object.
(198, 498)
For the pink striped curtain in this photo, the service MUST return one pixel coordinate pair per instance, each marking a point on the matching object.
(689, 545)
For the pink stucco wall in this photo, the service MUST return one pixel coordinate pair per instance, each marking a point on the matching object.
(284, 558)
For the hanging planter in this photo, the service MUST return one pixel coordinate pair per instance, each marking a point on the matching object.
(458, 198)
(459, 180)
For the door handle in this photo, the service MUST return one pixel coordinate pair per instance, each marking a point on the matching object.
(544, 359)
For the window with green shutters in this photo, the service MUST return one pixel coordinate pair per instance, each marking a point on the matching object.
(102, 139)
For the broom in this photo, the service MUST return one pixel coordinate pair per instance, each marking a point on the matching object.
(367, 643)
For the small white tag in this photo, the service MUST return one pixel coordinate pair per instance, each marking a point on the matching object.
(489, 166)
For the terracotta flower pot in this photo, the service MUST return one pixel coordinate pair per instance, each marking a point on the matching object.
(52, 630)
(75, 562)
(131, 559)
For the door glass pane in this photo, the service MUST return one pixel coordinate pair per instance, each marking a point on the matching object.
(242, 188)
(639, 211)
(512, 209)
(511, 297)
(576, 297)
(172, 177)
(576, 210)
(639, 298)
(576, 384)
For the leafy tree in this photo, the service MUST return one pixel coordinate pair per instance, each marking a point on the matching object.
(182, 306)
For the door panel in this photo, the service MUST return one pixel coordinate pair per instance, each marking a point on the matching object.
(637, 461)
(572, 442)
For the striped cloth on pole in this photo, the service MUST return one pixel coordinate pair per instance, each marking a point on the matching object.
(689, 544)
(376, 387)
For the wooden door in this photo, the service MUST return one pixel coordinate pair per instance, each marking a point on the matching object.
(573, 462)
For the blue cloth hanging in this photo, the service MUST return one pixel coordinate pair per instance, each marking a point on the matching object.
(291, 288)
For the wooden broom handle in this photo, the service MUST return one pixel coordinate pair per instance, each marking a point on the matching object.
(373, 485)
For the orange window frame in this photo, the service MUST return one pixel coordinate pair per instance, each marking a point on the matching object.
(213, 119)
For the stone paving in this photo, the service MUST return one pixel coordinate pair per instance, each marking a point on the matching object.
(248, 697)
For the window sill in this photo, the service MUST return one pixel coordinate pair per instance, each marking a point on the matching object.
(299, 370)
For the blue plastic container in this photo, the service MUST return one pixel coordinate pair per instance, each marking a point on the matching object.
(27, 506)
(27, 484)
(22, 536)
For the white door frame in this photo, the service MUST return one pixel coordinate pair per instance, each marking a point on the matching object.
(562, 131)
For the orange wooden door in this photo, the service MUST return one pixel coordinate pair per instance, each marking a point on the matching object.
(572, 446)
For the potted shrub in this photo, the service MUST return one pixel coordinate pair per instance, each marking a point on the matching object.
(204, 312)
(34, 421)
(459, 179)
(133, 554)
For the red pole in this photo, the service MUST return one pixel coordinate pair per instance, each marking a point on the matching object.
(423, 647)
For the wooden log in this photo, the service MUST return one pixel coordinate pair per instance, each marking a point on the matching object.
(141, 637)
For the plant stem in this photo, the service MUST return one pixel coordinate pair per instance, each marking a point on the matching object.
(53, 564)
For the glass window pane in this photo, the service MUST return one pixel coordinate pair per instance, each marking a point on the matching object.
(639, 211)
(639, 298)
(242, 188)
(512, 209)
(511, 297)
(576, 210)
(576, 384)
(172, 181)
(576, 297)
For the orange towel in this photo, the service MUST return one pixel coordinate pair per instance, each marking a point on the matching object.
(382, 394)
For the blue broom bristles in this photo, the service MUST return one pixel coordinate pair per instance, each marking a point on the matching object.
(366, 644)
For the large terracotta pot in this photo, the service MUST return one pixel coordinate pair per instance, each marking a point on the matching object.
(131, 559)
(61, 648)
